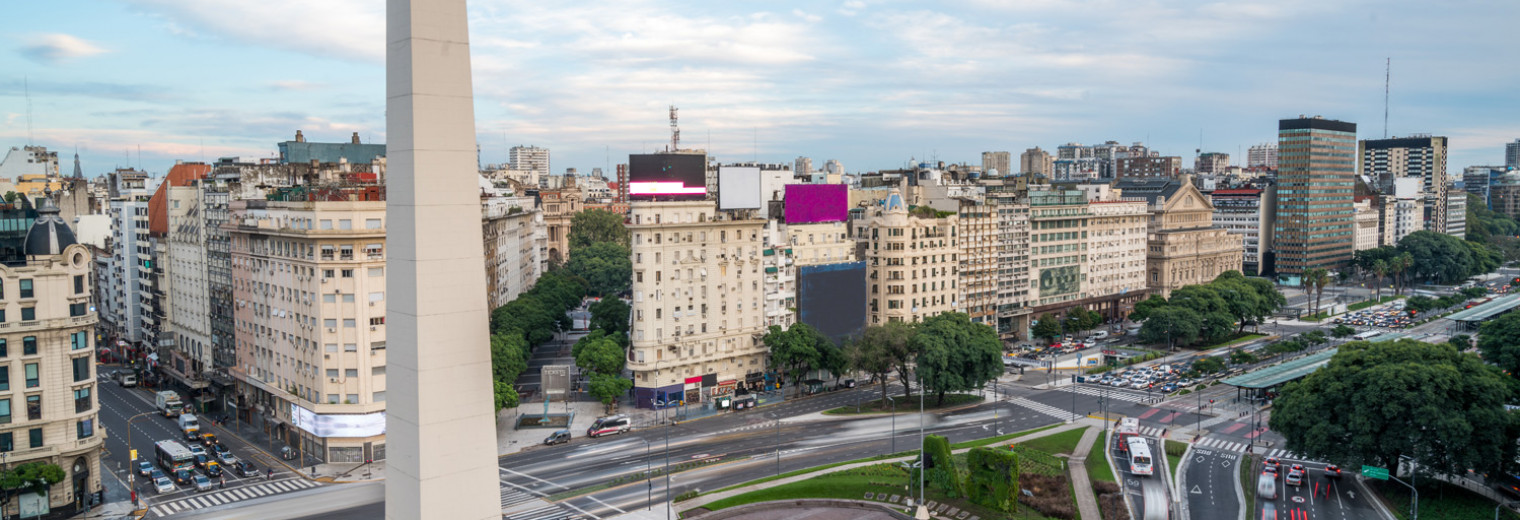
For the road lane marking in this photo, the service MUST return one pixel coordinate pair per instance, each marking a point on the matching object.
(535, 478)
(614, 508)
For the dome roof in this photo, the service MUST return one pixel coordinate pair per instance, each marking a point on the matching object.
(49, 234)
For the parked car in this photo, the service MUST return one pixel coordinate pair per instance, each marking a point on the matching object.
(558, 437)
(163, 485)
(202, 483)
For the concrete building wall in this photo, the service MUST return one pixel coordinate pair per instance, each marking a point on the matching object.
(914, 259)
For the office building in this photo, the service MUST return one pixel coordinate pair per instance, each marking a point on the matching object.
(1088, 254)
(1262, 156)
(1456, 210)
(1248, 212)
(981, 242)
(1512, 155)
(309, 285)
(1211, 163)
(1316, 173)
(913, 256)
(1008, 199)
(1000, 162)
(1147, 166)
(1422, 157)
(530, 159)
(1035, 161)
(697, 312)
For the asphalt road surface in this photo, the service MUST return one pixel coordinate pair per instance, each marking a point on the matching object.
(1209, 485)
(1320, 498)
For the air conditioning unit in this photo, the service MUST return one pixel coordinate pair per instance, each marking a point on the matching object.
(330, 329)
(371, 304)
(326, 356)
(324, 280)
(371, 327)
(332, 379)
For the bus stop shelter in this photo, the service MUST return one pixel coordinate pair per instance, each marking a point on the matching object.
(1258, 381)
(1468, 320)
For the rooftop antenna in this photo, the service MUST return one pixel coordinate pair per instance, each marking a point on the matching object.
(1387, 79)
(675, 131)
(26, 87)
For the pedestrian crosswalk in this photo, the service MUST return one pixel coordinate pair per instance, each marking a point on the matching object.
(549, 512)
(1042, 408)
(1221, 444)
(1110, 393)
(228, 496)
(511, 496)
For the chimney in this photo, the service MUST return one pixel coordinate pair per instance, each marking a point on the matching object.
(300, 138)
(356, 138)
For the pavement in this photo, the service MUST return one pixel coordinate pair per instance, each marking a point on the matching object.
(1087, 501)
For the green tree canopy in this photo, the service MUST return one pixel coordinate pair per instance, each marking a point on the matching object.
(795, 351)
(1048, 327)
(1172, 325)
(880, 349)
(1202, 299)
(605, 266)
(956, 354)
(36, 476)
(1341, 331)
(607, 388)
(1376, 401)
(1145, 307)
(1439, 257)
(1499, 342)
(1079, 319)
(599, 352)
(596, 225)
(611, 315)
(1208, 365)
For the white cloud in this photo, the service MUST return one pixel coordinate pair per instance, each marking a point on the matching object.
(294, 84)
(58, 48)
(348, 29)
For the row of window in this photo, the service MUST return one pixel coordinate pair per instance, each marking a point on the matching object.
(85, 429)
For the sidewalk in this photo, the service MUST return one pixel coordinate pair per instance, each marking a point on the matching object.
(310, 468)
(1087, 502)
(1085, 444)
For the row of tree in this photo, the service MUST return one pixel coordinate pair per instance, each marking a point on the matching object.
(1430, 257)
(1077, 320)
(947, 352)
(1377, 402)
(1207, 312)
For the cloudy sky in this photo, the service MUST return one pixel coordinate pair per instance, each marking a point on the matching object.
(872, 83)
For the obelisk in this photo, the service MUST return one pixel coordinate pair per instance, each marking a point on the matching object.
(441, 425)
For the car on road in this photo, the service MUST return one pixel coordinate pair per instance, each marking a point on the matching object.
(201, 460)
(226, 458)
(1169, 388)
(202, 483)
(610, 425)
(1139, 384)
(1272, 462)
(209, 439)
(163, 485)
(1266, 485)
(1099, 334)
(157, 474)
(219, 449)
(1184, 383)
(558, 437)
(1295, 475)
(196, 449)
(126, 379)
(213, 469)
(144, 468)
(1332, 471)
(244, 468)
(183, 477)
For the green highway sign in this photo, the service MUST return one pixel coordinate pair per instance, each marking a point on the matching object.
(1375, 472)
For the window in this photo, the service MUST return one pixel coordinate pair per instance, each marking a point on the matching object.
(86, 428)
(348, 298)
(350, 372)
(29, 346)
(36, 437)
(380, 396)
(324, 224)
(82, 400)
(4, 351)
(28, 313)
(5, 411)
(80, 340)
(350, 347)
(330, 323)
(332, 398)
(376, 296)
(377, 321)
(332, 373)
(75, 309)
(329, 298)
(327, 273)
(26, 288)
(351, 398)
(33, 407)
(345, 224)
(7, 443)
(78, 284)
(372, 223)
(331, 347)
(348, 273)
(81, 368)
(349, 323)
(2, 315)
(376, 271)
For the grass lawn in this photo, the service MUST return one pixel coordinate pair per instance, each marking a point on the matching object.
(1097, 463)
(1248, 477)
(1064, 442)
(1174, 452)
(852, 484)
(907, 405)
(1438, 501)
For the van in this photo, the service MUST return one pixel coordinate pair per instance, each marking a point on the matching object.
(127, 379)
(1099, 334)
(558, 437)
(610, 425)
(1266, 486)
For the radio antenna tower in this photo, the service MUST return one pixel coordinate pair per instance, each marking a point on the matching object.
(675, 131)
(1387, 80)
(26, 87)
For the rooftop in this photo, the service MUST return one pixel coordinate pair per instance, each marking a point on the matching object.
(1488, 310)
(1282, 373)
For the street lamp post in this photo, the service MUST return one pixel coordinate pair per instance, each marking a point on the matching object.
(648, 478)
(132, 471)
(668, 499)
(778, 444)
(922, 461)
(894, 423)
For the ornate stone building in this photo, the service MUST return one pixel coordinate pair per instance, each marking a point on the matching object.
(559, 207)
(911, 262)
(1183, 247)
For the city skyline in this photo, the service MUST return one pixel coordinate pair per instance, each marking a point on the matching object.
(870, 84)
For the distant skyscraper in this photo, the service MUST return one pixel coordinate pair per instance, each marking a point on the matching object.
(1212, 162)
(833, 166)
(1000, 161)
(803, 165)
(1035, 161)
(1422, 157)
(1512, 154)
(1264, 154)
(530, 158)
(1316, 176)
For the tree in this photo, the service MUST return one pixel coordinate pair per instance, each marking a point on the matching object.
(509, 356)
(1144, 308)
(506, 396)
(1217, 326)
(608, 387)
(32, 477)
(10, 197)
(1499, 342)
(1341, 331)
(1208, 365)
(1460, 342)
(611, 315)
(605, 266)
(1380, 266)
(600, 353)
(956, 354)
(1171, 325)
(1401, 265)
(1438, 257)
(1317, 278)
(596, 225)
(1375, 402)
(833, 359)
(1240, 356)
(794, 351)
(882, 349)
(1079, 319)
(1313, 337)
(1202, 299)
(994, 478)
(1048, 327)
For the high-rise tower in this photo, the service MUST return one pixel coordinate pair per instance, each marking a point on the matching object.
(1316, 170)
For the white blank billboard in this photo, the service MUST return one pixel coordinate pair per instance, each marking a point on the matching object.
(738, 187)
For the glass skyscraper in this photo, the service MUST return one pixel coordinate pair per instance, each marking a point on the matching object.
(1316, 175)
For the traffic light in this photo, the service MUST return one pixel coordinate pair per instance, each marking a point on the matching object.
(1211, 401)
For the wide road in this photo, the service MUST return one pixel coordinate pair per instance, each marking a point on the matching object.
(1320, 498)
(1147, 493)
(1210, 485)
(120, 405)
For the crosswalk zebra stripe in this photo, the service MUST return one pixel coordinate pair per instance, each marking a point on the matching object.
(542, 513)
(1100, 392)
(1041, 407)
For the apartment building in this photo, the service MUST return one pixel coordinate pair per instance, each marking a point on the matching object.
(1085, 254)
(1456, 210)
(309, 285)
(982, 242)
(48, 410)
(820, 243)
(1367, 234)
(912, 259)
(514, 234)
(1009, 202)
(1248, 212)
(1420, 156)
(1182, 247)
(697, 309)
(780, 276)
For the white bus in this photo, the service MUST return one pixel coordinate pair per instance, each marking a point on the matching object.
(1140, 462)
(1364, 336)
(173, 455)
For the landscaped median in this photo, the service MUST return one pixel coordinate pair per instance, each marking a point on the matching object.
(1036, 454)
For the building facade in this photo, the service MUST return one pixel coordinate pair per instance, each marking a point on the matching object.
(1367, 234)
(559, 209)
(1010, 202)
(309, 286)
(1248, 212)
(1315, 180)
(1422, 157)
(780, 276)
(1085, 254)
(913, 256)
(697, 312)
(48, 395)
(1035, 161)
(1000, 162)
(514, 234)
(1182, 247)
(1147, 166)
(981, 242)
(1456, 211)
(530, 159)
(1262, 156)
(1211, 163)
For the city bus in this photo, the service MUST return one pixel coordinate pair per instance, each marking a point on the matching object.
(1128, 428)
(1140, 462)
(1364, 336)
(174, 456)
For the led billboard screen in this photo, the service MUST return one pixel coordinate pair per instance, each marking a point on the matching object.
(738, 187)
(667, 176)
(808, 203)
(832, 298)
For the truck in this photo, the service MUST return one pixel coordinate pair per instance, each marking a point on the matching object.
(190, 426)
(168, 403)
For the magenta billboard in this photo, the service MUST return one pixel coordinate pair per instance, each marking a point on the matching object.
(808, 203)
